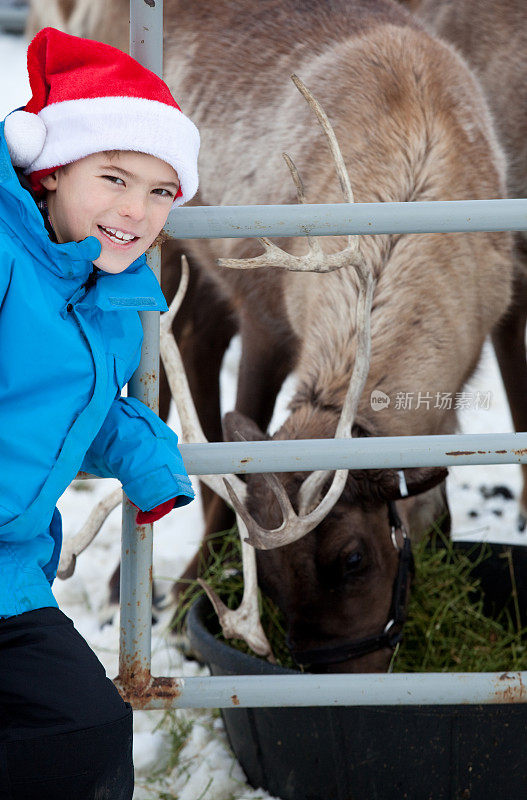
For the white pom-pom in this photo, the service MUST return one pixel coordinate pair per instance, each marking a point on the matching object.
(25, 135)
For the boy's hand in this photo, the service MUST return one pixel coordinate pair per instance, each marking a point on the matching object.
(145, 517)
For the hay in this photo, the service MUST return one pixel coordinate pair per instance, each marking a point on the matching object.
(446, 631)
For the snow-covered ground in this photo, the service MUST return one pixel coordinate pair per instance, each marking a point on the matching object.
(206, 770)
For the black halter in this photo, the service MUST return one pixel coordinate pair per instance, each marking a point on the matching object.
(393, 630)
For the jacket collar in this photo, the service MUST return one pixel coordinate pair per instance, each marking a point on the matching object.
(136, 287)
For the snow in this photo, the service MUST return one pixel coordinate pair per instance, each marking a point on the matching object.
(206, 769)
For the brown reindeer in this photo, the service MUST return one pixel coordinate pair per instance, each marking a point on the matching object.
(412, 125)
(492, 36)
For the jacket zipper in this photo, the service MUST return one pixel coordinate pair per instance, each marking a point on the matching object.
(81, 293)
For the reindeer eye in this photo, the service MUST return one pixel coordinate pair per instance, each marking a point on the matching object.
(352, 562)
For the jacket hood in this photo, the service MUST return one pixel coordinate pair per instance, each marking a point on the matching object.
(22, 221)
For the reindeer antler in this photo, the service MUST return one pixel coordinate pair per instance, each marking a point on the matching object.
(295, 526)
(315, 260)
(243, 622)
(312, 486)
(77, 544)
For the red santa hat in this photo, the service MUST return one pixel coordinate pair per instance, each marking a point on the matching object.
(89, 97)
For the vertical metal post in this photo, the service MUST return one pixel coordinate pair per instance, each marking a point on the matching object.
(146, 34)
(146, 46)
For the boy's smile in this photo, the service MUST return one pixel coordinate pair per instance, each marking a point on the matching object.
(123, 198)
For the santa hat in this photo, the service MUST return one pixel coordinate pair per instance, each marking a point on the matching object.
(89, 97)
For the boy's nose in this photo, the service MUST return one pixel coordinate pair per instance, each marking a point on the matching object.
(133, 207)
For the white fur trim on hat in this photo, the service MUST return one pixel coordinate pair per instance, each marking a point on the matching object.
(78, 128)
(25, 135)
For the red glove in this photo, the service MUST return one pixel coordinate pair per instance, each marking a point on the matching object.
(145, 517)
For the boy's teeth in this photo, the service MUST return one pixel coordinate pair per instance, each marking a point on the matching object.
(116, 234)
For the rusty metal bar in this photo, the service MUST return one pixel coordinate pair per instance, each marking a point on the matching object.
(305, 455)
(376, 689)
(137, 541)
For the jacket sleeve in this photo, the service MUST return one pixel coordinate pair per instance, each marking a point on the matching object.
(139, 449)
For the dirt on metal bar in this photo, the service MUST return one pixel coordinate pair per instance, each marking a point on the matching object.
(142, 688)
(510, 692)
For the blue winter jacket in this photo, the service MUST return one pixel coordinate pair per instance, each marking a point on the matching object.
(65, 354)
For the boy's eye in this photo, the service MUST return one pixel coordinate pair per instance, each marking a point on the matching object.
(113, 178)
(163, 193)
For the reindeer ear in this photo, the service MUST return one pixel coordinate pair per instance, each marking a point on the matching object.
(418, 480)
(234, 422)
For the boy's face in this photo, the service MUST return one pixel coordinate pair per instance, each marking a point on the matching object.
(122, 199)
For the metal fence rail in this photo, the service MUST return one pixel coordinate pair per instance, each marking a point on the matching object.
(406, 689)
(332, 219)
(135, 681)
(305, 455)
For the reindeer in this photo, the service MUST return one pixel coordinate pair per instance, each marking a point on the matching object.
(492, 36)
(412, 125)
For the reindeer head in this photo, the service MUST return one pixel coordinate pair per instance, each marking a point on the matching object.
(336, 584)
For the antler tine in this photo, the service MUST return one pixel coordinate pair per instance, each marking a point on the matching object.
(73, 547)
(297, 180)
(315, 260)
(168, 317)
(243, 622)
(281, 495)
(256, 535)
(274, 256)
(313, 243)
(236, 503)
(271, 479)
(293, 527)
(342, 172)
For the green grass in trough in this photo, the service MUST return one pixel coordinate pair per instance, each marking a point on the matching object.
(446, 629)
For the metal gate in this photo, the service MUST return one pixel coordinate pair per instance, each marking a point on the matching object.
(135, 681)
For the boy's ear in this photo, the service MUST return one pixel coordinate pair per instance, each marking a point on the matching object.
(49, 182)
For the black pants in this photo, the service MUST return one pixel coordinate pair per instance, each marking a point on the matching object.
(65, 732)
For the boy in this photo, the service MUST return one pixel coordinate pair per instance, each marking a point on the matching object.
(106, 152)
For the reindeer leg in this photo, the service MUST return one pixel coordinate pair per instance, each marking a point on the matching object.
(509, 344)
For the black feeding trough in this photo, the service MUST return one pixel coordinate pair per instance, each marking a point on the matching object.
(382, 752)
